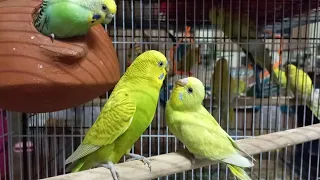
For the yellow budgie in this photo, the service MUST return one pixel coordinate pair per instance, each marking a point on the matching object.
(281, 76)
(126, 115)
(301, 86)
(194, 126)
(230, 22)
(222, 84)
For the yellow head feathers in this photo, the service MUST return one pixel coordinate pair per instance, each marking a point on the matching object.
(151, 65)
(187, 93)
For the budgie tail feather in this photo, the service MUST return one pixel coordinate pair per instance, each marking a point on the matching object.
(238, 172)
(315, 103)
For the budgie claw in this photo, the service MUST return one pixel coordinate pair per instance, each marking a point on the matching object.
(110, 166)
(193, 159)
(52, 36)
(141, 158)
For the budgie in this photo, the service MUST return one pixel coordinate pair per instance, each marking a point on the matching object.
(301, 86)
(126, 115)
(222, 84)
(256, 48)
(69, 18)
(281, 76)
(194, 126)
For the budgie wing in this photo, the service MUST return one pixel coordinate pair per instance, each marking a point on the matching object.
(305, 83)
(114, 119)
(219, 130)
(208, 143)
(202, 137)
(40, 21)
(42, 16)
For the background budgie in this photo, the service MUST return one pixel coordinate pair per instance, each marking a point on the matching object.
(194, 126)
(281, 76)
(126, 115)
(69, 18)
(230, 22)
(301, 86)
(222, 84)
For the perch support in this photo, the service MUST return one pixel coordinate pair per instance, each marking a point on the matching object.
(171, 163)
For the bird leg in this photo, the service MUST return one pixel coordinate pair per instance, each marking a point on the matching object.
(192, 158)
(110, 166)
(139, 157)
(52, 36)
(186, 152)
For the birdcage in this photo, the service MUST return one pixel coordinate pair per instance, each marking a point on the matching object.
(35, 146)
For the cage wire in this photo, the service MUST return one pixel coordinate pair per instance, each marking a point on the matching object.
(35, 146)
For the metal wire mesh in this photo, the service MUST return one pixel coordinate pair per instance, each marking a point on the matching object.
(34, 146)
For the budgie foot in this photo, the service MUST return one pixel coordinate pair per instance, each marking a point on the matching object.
(141, 158)
(188, 154)
(110, 166)
(193, 159)
(52, 36)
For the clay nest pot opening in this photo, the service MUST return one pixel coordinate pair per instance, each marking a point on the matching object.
(38, 75)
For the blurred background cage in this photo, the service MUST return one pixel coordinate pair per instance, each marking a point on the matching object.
(34, 146)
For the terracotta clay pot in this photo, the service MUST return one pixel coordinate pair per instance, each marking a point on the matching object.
(38, 75)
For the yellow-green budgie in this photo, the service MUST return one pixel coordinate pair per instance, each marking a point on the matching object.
(69, 18)
(299, 83)
(281, 76)
(301, 86)
(224, 91)
(126, 115)
(242, 87)
(194, 126)
(226, 20)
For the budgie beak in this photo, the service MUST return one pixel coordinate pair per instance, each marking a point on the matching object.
(167, 67)
(182, 82)
(108, 18)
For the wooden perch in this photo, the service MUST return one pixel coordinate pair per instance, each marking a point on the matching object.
(171, 163)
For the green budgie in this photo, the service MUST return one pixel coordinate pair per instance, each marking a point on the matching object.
(301, 86)
(222, 84)
(69, 18)
(256, 48)
(194, 126)
(126, 115)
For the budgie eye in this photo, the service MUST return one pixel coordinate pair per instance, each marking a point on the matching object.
(160, 63)
(190, 90)
(104, 7)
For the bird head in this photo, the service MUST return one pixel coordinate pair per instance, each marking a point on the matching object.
(187, 93)
(111, 9)
(151, 65)
(103, 11)
(291, 69)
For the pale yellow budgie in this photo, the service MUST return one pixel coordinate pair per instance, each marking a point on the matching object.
(224, 90)
(248, 39)
(281, 76)
(195, 127)
(301, 86)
